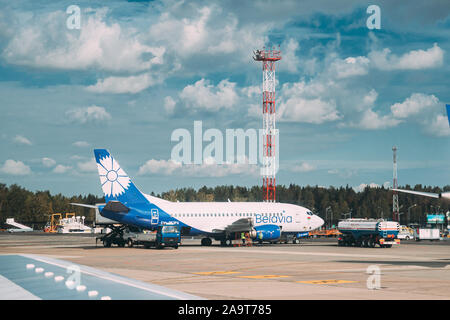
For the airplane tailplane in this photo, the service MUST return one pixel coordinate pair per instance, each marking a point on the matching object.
(116, 184)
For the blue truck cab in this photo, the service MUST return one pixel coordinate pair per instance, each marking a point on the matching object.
(168, 234)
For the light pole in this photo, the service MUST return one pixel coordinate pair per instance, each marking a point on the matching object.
(348, 213)
(400, 215)
(381, 210)
(409, 213)
(326, 215)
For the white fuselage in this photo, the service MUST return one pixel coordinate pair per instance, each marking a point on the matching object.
(210, 216)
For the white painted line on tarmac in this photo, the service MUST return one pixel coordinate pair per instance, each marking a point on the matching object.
(54, 246)
(322, 254)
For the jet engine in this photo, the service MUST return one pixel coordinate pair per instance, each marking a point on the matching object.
(267, 232)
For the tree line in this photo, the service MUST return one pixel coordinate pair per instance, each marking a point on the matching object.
(332, 204)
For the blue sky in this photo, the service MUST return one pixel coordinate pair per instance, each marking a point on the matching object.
(136, 71)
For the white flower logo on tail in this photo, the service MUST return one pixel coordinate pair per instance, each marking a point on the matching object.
(113, 179)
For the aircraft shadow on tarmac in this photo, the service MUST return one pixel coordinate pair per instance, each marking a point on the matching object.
(428, 264)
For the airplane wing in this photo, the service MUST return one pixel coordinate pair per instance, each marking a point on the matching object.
(443, 195)
(241, 225)
(84, 205)
(419, 193)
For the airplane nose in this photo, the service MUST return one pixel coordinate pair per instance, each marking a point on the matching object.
(319, 222)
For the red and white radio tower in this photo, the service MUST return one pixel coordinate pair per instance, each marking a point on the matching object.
(268, 58)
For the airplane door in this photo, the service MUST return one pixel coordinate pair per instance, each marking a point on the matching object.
(297, 218)
(154, 216)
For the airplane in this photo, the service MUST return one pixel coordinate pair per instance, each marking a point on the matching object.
(442, 195)
(222, 221)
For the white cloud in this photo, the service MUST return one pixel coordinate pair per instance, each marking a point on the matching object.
(166, 167)
(198, 37)
(373, 121)
(350, 67)
(209, 168)
(439, 126)
(251, 91)
(300, 102)
(16, 168)
(131, 84)
(415, 104)
(88, 166)
(210, 31)
(363, 186)
(48, 162)
(61, 169)
(413, 60)
(254, 111)
(169, 105)
(81, 144)
(303, 167)
(344, 172)
(44, 41)
(426, 110)
(88, 114)
(290, 62)
(22, 140)
(203, 95)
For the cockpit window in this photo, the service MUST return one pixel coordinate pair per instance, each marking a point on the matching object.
(309, 213)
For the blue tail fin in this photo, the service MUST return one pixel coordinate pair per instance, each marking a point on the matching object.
(116, 184)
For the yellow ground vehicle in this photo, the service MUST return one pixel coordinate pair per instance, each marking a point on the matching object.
(55, 220)
(325, 233)
(52, 225)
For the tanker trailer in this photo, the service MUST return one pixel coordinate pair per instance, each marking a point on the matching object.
(368, 233)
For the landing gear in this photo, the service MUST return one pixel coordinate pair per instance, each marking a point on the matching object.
(206, 242)
(296, 241)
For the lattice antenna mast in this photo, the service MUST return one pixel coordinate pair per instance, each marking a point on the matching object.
(395, 206)
(268, 58)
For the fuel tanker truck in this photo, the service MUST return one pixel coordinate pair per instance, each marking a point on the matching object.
(368, 233)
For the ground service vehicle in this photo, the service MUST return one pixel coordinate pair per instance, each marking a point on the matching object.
(368, 233)
(324, 233)
(426, 234)
(167, 234)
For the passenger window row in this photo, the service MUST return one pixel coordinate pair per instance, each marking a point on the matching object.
(224, 214)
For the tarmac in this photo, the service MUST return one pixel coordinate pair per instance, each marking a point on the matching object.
(315, 269)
